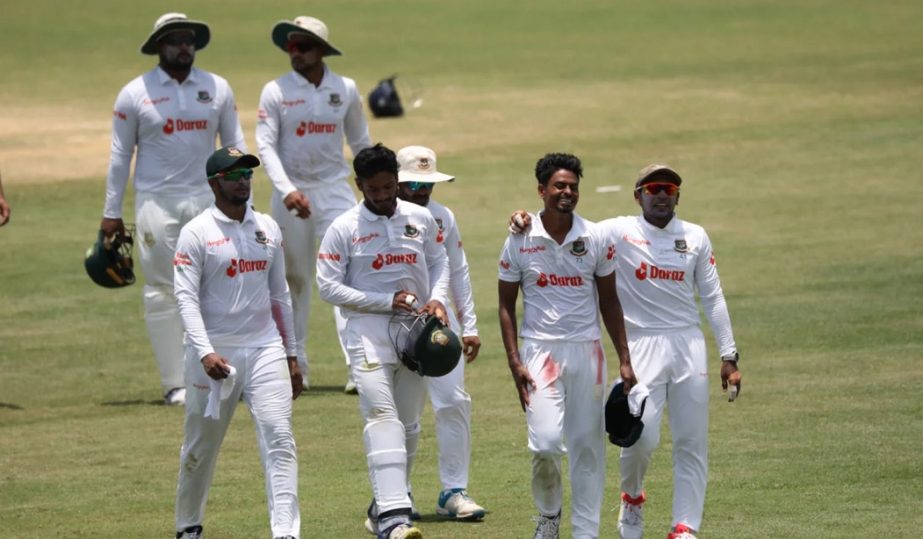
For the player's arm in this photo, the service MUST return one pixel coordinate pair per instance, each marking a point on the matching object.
(280, 300)
(355, 126)
(229, 130)
(4, 207)
(188, 268)
(268, 125)
(716, 310)
(332, 264)
(462, 294)
(437, 265)
(122, 147)
(507, 293)
(610, 308)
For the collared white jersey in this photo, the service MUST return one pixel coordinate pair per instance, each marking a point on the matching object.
(229, 281)
(300, 130)
(558, 281)
(173, 126)
(659, 271)
(460, 278)
(365, 258)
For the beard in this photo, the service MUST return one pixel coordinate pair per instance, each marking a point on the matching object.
(179, 61)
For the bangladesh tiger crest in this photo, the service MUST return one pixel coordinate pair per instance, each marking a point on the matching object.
(261, 237)
(578, 248)
(204, 97)
(411, 231)
(680, 246)
(335, 100)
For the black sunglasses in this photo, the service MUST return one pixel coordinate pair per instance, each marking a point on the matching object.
(178, 38)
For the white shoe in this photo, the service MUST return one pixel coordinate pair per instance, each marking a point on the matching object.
(455, 503)
(175, 397)
(631, 516)
(547, 527)
(405, 531)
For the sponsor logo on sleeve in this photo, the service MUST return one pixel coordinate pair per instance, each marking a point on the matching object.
(610, 252)
(120, 115)
(261, 114)
(329, 256)
(504, 264)
(711, 258)
(181, 259)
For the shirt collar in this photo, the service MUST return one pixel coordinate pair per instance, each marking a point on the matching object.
(301, 81)
(165, 77)
(220, 216)
(369, 216)
(577, 229)
(672, 226)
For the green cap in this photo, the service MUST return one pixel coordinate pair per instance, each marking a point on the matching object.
(229, 158)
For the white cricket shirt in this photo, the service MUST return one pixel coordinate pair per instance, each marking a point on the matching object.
(300, 130)
(173, 126)
(460, 278)
(558, 281)
(365, 258)
(659, 272)
(229, 281)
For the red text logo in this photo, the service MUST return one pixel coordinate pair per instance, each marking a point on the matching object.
(364, 239)
(181, 259)
(312, 128)
(653, 272)
(216, 243)
(387, 260)
(610, 254)
(558, 280)
(636, 241)
(172, 125)
(531, 250)
(246, 266)
(328, 256)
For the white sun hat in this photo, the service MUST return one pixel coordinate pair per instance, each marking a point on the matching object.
(418, 164)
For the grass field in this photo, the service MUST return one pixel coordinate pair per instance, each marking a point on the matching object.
(798, 127)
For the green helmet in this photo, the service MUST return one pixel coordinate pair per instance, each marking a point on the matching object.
(108, 261)
(429, 348)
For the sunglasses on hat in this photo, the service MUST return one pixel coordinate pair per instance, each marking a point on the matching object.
(234, 175)
(668, 189)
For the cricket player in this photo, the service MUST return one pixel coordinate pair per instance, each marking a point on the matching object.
(662, 262)
(565, 270)
(417, 178)
(171, 116)
(380, 258)
(236, 308)
(304, 117)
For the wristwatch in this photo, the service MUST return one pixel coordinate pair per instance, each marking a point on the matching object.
(731, 357)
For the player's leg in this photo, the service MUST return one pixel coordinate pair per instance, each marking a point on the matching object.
(298, 236)
(201, 441)
(584, 428)
(650, 358)
(269, 395)
(545, 421)
(158, 224)
(410, 396)
(688, 402)
(384, 433)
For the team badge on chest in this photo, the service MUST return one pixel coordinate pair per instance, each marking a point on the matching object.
(204, 97)
(578, 248)
(335, 100)
(680, 246)
(261, 237)
(411, 231)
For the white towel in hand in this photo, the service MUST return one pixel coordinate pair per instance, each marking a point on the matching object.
(219, 390)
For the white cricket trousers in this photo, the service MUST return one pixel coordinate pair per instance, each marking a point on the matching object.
(452, 412)
(391, 399)
(565, 415)
(674, 368)
(158, 222)
(301, 237)
(264, 383)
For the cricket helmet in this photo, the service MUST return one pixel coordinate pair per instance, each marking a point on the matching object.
(384, 101)
(108, 261)
(624, 429)
(426, 346)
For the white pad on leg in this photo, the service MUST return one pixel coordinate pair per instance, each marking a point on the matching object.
(165, 330)
(387, 460)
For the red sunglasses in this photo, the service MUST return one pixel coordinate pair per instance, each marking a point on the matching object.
(668, 189)
(303, 46)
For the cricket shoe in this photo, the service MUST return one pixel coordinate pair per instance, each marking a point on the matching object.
(631, 516)
(175, 397)
(455, 503)
(547, 527)
(192, 532)
(402, 530)
(681, 531)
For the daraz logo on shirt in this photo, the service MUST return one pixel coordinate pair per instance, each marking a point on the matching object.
(179, 124)
(387, 260)
(558, 280)
(245, 266)
(653, 272)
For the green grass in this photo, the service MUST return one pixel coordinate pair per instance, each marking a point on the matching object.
(797, 126)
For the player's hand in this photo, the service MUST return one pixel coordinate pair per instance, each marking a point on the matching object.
(112, 227)
(295, 373)
(404, 301)
(525, 385)
(471, 346)
(297, 204)
(628, 377)
(435, 308)
(216, 367)
(4, 211)
(730, 376)
(520, 221)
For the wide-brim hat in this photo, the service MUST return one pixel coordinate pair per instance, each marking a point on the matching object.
(307, 26)
(418, 164)
(658, 171)
(171, 22)
(229, 158)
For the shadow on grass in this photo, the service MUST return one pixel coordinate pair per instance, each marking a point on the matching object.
(11, 406)
(323, 389)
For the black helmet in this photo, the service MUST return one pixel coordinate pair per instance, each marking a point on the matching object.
(426, 346)
(384, 101)
(108, 261)
(624, 429)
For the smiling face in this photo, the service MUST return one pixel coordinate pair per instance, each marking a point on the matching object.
(658, 200)
(561, 192)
